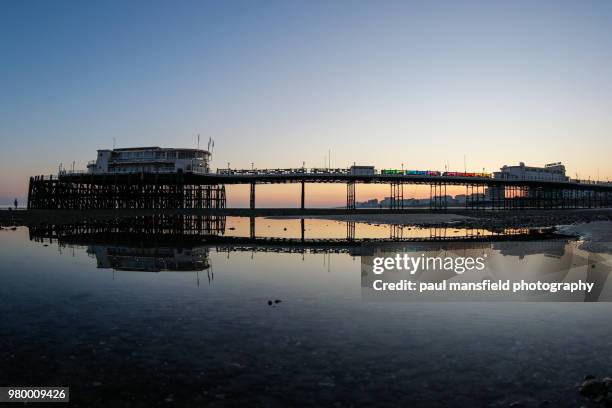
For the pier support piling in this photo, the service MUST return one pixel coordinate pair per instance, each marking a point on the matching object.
(350, 195)
(252, 197)
(397, 195)
(437, 196)
(252, 227)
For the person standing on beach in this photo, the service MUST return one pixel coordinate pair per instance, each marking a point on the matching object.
(15, 202)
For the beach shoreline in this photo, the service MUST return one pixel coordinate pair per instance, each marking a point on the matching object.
(413, 217)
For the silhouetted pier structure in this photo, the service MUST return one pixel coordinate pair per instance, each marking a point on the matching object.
(123, 191)
(197, 190)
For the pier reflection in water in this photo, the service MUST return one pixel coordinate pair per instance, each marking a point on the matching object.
(220, 230)
(151, 334)
(156, 244)
(182, 243)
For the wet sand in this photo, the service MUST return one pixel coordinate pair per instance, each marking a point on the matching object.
(396, 219)
(481, 219)
(416, 217)
(597, 236)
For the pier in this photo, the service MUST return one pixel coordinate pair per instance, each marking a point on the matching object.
(148, 190)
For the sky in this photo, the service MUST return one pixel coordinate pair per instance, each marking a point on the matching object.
(278, 83)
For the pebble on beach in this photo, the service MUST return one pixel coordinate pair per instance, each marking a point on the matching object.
(597, 390)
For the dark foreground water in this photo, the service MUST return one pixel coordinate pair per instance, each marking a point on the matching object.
(95, 318)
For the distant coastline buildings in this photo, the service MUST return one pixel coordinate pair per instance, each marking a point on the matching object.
(457, 201)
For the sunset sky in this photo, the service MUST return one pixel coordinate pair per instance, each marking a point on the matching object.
(277, 83)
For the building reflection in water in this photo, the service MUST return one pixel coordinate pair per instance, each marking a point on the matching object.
(156, 259)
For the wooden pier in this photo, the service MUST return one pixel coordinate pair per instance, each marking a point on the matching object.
(190, 190)
(129, 191)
